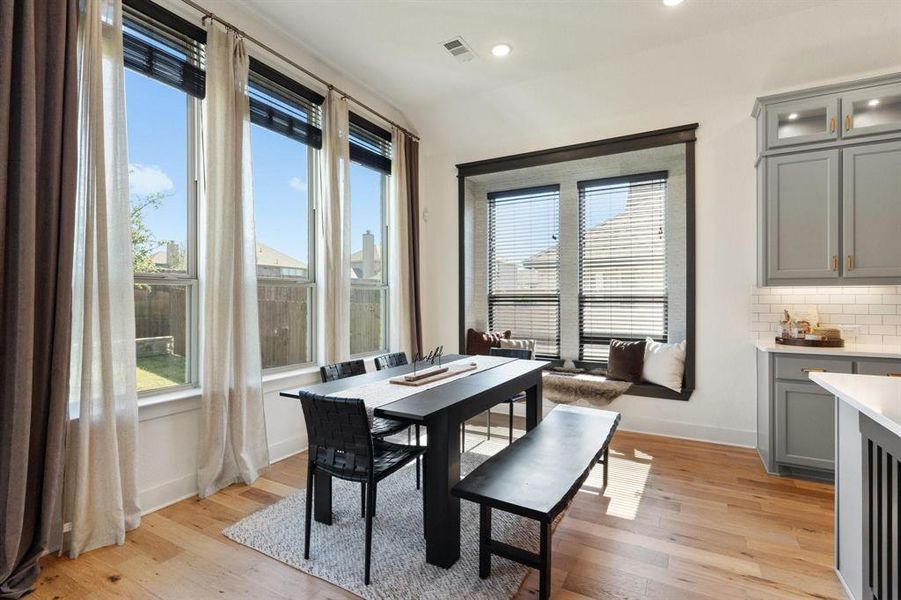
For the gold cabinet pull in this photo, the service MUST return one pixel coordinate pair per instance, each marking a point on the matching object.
(848, 122)
(850, 262)
(813, 370)
(894, 375)
(832, 125)
(835, 263)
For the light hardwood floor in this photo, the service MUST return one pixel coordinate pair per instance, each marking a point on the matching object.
(679, 519)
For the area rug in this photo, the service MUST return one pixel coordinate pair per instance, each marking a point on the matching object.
(399, 570)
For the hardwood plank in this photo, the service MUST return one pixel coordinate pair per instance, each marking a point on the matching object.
(680, 519)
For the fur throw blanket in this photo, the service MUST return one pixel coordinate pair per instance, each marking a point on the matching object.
(581, 388)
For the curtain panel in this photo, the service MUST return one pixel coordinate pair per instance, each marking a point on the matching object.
(101, 497)
(403, 227)
(334, 231)
(38, 100)
(233, 445)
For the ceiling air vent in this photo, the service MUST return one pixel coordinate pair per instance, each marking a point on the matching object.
(459, 49)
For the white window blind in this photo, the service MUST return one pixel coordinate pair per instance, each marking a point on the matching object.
(622, 262)
(524, 266)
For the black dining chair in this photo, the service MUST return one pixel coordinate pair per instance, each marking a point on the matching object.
(388, 361)
(395, 359)
(382, 427)
(341, 444)
(523, 353)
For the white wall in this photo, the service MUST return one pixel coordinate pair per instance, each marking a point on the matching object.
(170, 426)
(711, 80)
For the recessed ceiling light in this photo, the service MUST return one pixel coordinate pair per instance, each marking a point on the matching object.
(501, 49)
(672, 2)
(873, 102)
(792, 116)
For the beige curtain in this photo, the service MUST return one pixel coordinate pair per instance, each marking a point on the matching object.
(403, 231)
(233, 444)
(334, 224)
(101, 488)
(38, 100)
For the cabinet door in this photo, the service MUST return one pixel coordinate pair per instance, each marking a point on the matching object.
(883, 368)
(802, 121)
(805, 426)
(871, 210)
(802, 216)
(871, 111)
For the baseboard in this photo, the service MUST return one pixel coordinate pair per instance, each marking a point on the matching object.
(689, 431)
(168, 493)
(845, 587)
(287, 448)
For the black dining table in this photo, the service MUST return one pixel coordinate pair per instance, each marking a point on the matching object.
(441, 409)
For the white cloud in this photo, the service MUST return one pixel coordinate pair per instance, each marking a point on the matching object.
(144, 180)
(297, 184)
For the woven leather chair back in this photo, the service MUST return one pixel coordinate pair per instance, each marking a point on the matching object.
(339, 438)
(341, 370)
(395, 359)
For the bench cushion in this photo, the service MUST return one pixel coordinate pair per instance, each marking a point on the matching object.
(537, 475)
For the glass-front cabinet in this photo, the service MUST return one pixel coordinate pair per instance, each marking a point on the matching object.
(802, 121)
(871, 111)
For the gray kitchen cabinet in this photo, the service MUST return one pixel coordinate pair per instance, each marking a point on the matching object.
(805, 425)
(829, 185)
(871, 111)
(803, 215)
(871, 210)
(802, 121)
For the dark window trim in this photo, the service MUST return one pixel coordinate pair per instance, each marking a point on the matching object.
(285, 90)
(636, 179)
(525, 297)
(369, 126)
(684, 134)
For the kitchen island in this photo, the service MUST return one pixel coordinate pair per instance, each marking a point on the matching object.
(867, 482)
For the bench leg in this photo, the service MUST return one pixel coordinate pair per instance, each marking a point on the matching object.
(544, 586)
(484, 541)
(606, 463)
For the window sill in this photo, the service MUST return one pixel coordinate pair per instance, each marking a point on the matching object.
(277, 381)
(164, 404)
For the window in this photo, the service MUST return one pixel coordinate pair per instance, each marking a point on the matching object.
(163, 80)
(285, 135)
(622, 262)
(370, 153)
(524, 266)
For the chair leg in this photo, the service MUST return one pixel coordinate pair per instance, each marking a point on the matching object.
(489, 423)
(511, 422)
(463, 438)
(606, 463)
(362, 500)
(418, 460)
(369, 514)
(309, 513)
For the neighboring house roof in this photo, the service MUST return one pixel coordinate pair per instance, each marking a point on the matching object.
(358, 255)
(268, 256)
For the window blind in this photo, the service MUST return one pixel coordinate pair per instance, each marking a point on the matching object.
(283, 105)
(524, 266)
(622, 262)
(162, 45)
(370, 145)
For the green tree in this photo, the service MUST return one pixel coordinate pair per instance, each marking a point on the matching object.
(143, 244)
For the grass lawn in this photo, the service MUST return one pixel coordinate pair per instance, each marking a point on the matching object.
(160, 371)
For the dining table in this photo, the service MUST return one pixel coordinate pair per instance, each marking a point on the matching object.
(441, 407)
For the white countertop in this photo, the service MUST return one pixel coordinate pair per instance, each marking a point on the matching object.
(876, 396)
(849, 350)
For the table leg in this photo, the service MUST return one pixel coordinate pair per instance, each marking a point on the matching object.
(442, 511)
(533, 404)
(322, 497)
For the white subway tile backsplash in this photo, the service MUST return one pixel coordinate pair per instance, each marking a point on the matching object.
(873, 311)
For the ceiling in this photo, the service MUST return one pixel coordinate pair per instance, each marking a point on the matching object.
(394, 48)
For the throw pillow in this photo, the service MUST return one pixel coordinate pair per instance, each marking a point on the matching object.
(625, 360)
(519, 345)
(480, 342)
(664, 364)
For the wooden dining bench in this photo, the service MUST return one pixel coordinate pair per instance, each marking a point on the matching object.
(536, 477)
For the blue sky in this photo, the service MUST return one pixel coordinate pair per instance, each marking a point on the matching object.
(157, 149)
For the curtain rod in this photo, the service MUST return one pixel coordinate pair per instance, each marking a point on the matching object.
(304, 70)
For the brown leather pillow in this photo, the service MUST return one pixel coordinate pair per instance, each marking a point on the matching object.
(480, 342)
(625, 361)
